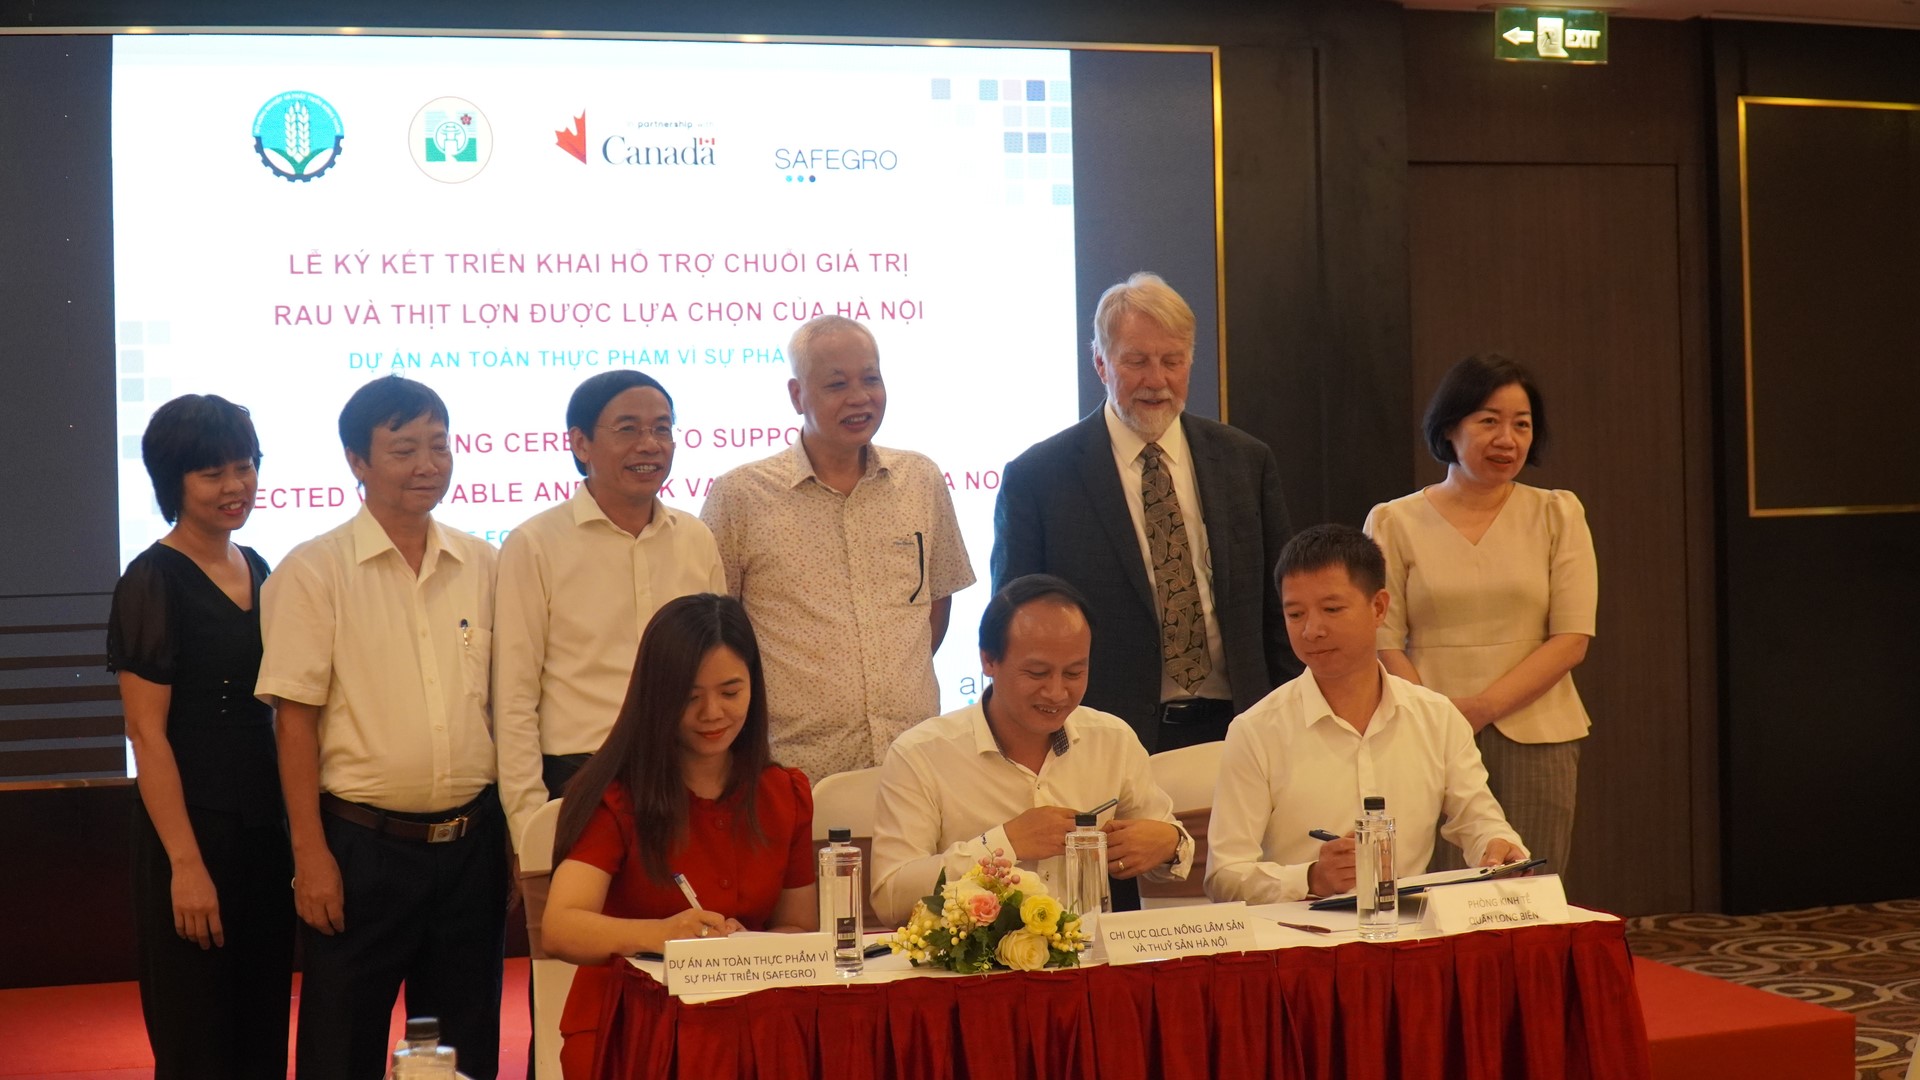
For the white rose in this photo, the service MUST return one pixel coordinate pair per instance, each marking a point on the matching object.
(1031, 883)
(1022, 950)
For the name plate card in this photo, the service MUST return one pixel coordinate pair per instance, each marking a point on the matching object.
(1495, 905)
(1135, 937)
(731, 965)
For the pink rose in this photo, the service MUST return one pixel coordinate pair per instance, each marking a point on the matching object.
(983, 907)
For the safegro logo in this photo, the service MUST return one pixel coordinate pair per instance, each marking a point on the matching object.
(298, 135)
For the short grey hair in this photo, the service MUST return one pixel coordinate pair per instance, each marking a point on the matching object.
(823, 326)
(1146, 294)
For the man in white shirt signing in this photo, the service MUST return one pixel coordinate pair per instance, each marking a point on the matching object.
(1009, 774)
(578, 583)
(1307, 755)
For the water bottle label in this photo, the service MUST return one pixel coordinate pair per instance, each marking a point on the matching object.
(844, 933)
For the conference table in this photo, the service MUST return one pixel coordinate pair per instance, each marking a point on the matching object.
(1535, 1002)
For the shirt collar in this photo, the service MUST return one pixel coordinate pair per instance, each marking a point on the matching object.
(1316, 708)
(985, 743)
(799, 467)
(587, 509)
(1127, 442)
(371, 540)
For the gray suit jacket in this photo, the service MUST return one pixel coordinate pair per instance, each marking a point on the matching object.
(1061, 511)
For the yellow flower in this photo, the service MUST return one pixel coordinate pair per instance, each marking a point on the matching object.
(1022, 950)
(1041, 914)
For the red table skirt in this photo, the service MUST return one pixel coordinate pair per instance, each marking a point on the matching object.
(1538, 1003)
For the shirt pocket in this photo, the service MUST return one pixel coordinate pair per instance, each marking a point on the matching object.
(904, 575)
(476, 664)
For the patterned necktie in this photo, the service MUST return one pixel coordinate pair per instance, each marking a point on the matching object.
(1183, 626)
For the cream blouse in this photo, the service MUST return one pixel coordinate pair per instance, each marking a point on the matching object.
(1467, 613)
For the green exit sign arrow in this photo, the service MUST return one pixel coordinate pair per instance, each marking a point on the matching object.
(1557, 35)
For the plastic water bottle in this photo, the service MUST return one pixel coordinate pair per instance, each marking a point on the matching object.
(1374, 888)
(843, 901)
(1086, 872)
(420, 1056)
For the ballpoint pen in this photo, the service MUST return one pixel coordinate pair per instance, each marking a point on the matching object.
(686, 890)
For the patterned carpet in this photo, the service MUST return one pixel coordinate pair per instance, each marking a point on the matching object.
(1860, 958)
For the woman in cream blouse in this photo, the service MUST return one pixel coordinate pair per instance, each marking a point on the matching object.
(1493, 589)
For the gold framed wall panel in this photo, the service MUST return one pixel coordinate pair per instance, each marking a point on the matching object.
(1754, 509)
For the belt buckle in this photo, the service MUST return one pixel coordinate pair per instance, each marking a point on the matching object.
(441, 832)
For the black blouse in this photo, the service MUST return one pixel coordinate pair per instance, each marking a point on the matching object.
(172, 625)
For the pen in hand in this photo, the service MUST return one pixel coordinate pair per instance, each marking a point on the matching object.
(1322, 835)
(1105, 806)
(686, 890)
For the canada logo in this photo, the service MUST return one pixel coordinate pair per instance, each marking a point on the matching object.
(297, 135)
(574, 140)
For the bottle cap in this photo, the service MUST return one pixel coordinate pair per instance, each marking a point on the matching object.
(422, 1028)
(1374, 802)
(839, 836)
(1085, 821)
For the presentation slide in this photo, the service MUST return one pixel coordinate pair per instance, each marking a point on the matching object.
(504, 218)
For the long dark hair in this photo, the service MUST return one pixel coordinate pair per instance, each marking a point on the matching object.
(642, 753)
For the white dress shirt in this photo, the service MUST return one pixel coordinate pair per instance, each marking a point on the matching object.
(1177, 458)
(840, 589)
(575, 592)
(946, 791)
(397, 662)
(1291, 765)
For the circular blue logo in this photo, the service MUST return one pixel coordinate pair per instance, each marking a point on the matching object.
(297, 135)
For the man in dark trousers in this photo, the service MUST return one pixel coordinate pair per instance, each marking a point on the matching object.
(1170, 524)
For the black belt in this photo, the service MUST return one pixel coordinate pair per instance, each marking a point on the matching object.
(433, 828)
(557, 769)
(1195, 711)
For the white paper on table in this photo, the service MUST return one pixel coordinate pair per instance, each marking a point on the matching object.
(1442, 877)
(1339, 923)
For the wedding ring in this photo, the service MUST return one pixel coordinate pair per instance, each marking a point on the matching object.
(703, 931)
(1123, 866)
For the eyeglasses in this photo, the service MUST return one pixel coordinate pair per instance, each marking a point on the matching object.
(628, 434)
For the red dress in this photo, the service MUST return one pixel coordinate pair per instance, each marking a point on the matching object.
(731, 878)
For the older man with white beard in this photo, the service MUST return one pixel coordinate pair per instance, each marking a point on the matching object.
(1169, 523)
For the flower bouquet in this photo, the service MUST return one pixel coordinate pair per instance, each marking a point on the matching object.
(994, 917)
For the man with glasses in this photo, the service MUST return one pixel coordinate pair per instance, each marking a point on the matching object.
(578, 583)
(845, 555)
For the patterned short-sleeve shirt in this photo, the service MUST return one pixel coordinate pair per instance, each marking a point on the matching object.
(840, 587)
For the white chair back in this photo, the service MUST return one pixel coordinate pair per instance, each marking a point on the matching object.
(845, 801)
(551, 978)
(1188, 774)
(536, 849)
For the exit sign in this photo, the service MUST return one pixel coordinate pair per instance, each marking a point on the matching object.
(1558, 35)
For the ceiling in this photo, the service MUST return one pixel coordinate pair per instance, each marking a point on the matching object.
(1902, 13)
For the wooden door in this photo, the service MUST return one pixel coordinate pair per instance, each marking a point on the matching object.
(1574, 270)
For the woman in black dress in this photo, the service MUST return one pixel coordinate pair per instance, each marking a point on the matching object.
(210, 856)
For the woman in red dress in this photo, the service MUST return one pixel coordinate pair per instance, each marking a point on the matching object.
(684, 784)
